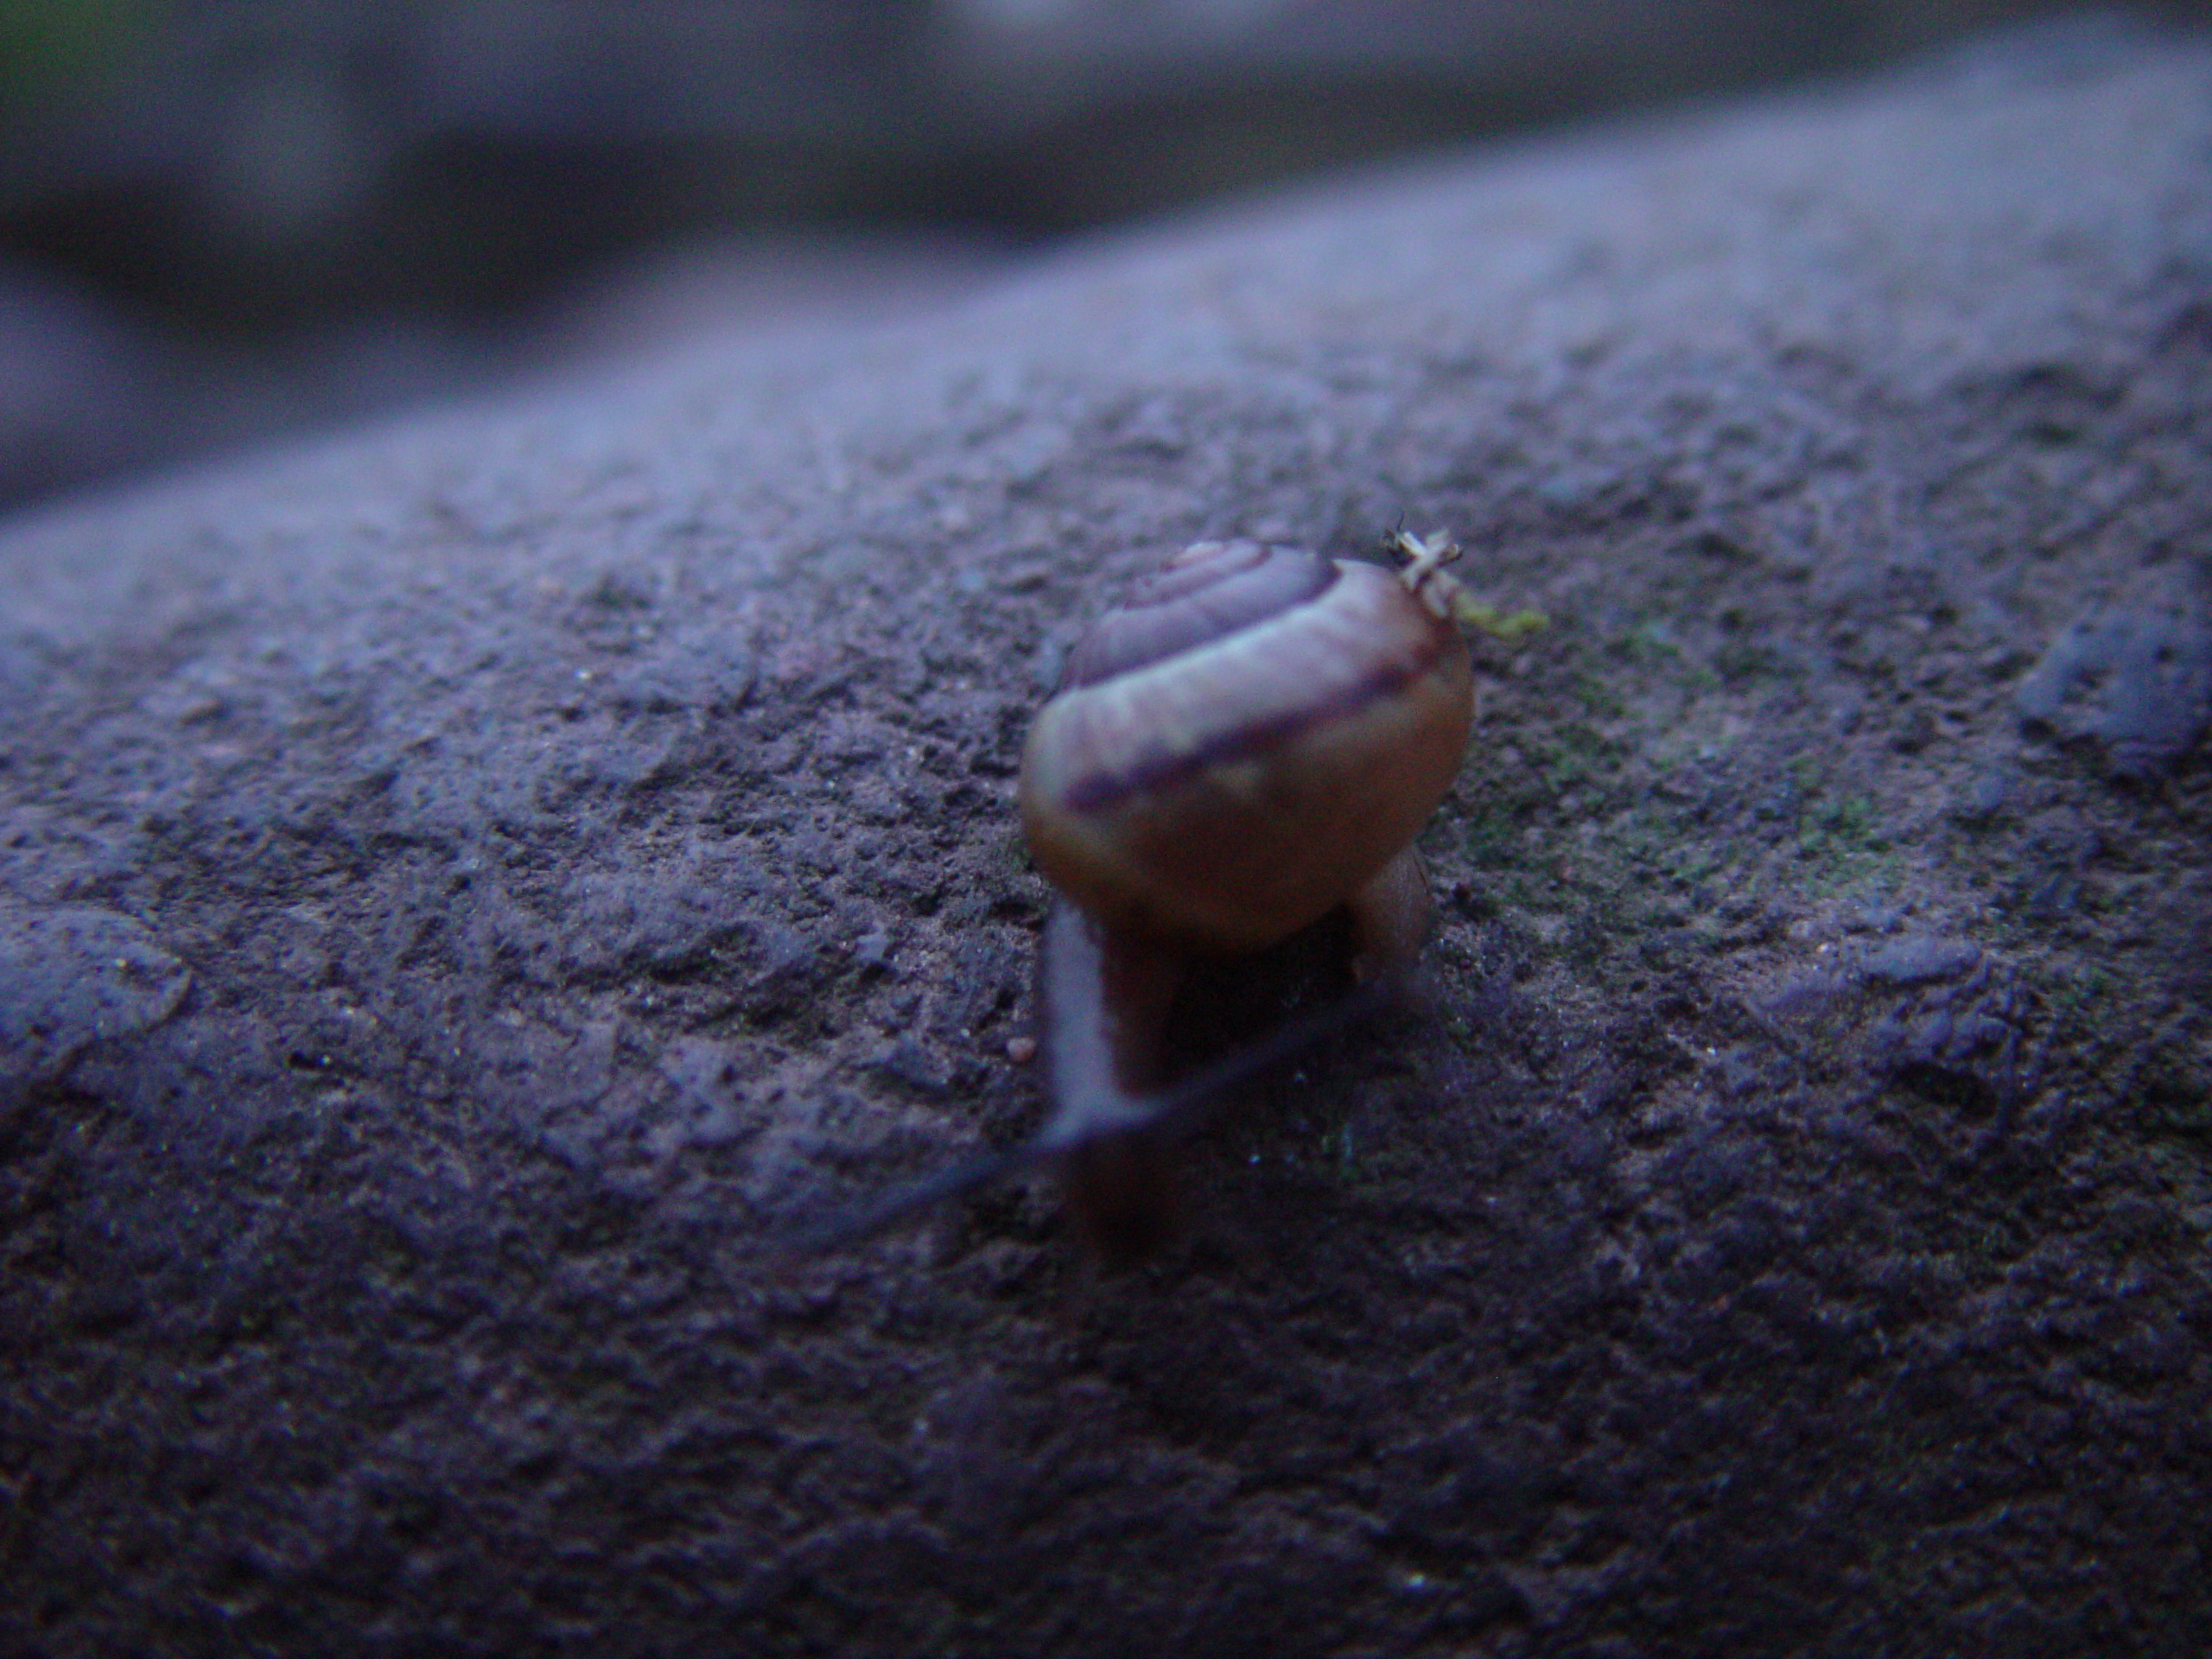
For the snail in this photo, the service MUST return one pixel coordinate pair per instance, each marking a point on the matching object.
(1250, 742)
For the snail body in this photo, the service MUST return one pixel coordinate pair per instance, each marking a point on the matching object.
(1252, 742)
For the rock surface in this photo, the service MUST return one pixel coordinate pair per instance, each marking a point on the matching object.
(469, 886)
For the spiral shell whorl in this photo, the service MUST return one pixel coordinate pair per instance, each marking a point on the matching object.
(1242, 745)
(1209, 589)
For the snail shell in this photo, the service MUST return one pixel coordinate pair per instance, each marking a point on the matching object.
(1242, 745)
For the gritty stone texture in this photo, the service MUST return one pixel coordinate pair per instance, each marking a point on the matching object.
(71, 977)
(470, 886)
(2155, 673)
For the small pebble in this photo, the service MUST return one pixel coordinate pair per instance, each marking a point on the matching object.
(1985, 798)
(71, 977)
(2141, 684)
(1021, 1050)
(1919, 961)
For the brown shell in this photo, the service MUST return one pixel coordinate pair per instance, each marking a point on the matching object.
(1239, 747)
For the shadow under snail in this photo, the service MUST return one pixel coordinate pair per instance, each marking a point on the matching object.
(1250, 743)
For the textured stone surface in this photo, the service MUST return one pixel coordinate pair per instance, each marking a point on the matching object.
(71, 977)
(470, 884)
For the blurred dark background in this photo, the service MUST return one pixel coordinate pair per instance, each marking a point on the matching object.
(222, 219)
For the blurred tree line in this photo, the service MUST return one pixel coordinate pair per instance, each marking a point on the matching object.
(222, 216)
